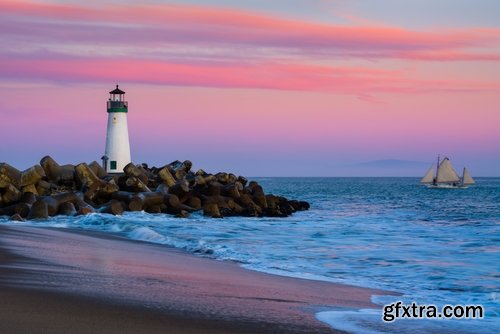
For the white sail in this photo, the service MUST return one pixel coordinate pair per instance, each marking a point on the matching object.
(446, 173)
(429, 176)
(467, 179)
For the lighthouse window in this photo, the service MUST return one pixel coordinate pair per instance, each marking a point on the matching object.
(112, 165)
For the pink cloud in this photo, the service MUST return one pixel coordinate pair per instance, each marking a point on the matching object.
(359, 81)
(150, 24)
(172, 45)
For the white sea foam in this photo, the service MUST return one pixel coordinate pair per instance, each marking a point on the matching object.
(349, 320)
(147, 234)
(369, 321)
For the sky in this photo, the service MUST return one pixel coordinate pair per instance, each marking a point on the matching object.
(257, 88)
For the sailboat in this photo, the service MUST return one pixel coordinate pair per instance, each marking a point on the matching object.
(446, 176)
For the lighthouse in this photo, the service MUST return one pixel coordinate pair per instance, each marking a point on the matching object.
(117, 154)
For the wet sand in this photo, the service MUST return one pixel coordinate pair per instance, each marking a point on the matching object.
(60, 281)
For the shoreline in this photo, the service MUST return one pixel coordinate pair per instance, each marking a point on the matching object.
(80, 272)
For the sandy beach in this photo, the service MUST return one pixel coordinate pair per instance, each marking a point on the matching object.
(59, 281)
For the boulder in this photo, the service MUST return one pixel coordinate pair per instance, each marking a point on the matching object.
(50, 189)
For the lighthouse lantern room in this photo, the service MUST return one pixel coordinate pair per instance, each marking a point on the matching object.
(117, 153)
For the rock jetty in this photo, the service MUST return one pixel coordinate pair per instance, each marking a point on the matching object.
(50, 189)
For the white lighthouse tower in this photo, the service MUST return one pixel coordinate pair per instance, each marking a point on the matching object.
(117, 154)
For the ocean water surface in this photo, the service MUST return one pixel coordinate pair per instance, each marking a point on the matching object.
(434, 246)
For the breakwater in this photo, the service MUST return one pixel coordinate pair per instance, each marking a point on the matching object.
(49, 189)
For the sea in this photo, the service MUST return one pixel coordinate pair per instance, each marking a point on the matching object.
(432, 246)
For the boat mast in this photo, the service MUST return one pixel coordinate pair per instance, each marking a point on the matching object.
(437, 171)
(463, 176)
